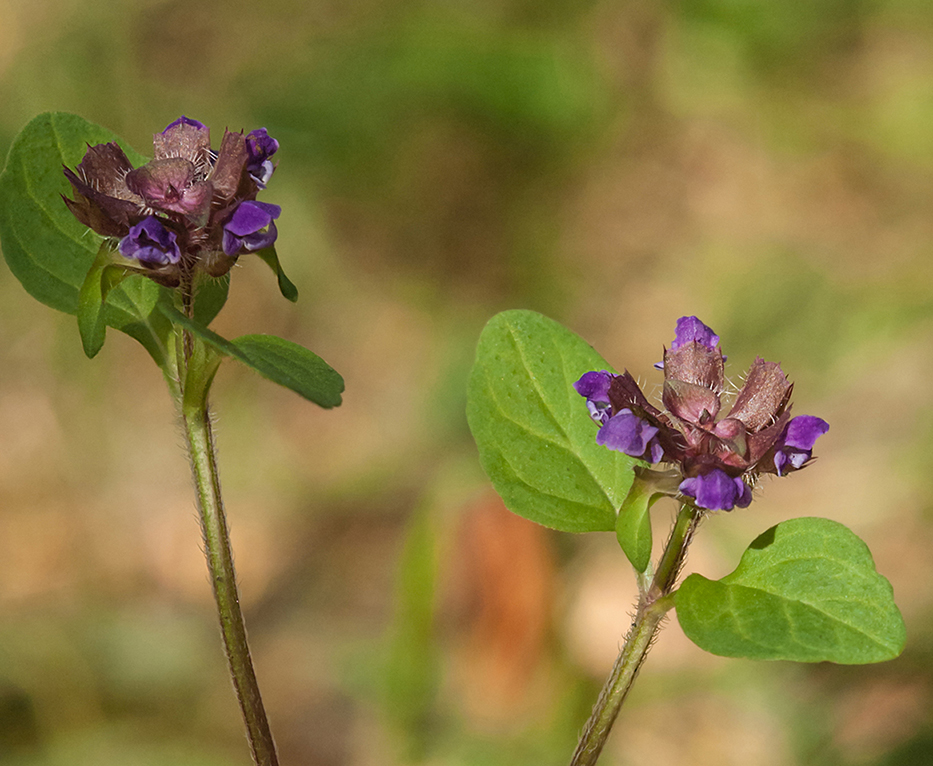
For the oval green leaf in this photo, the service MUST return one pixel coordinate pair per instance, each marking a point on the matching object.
(806, 590)
(535, 438)
(277, 359)
(47, 248)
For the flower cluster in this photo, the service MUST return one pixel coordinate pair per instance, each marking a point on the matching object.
(190, 207)
(718, 458)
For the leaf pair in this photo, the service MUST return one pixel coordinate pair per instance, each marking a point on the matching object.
(66, 266)
(806, 590)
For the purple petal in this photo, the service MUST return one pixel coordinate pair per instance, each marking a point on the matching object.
(625, 432)
(184, 121)
(151, 243)
(803, 431)
(692, 330)
(717, 491)
(251, 216)
(594, 385)
(260, 146)
(250, 227)
(795, 446)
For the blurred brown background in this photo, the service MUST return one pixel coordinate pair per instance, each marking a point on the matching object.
(766, 166)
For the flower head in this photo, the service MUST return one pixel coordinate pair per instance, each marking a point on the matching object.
(719, 456)
(203, 200)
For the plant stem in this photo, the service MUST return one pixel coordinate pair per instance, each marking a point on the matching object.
(219, 555)
(653, 605)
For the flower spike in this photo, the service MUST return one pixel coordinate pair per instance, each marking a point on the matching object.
(718, 457)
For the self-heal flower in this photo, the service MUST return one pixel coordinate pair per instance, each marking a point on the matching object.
(717, 490)
(622, 431)
(719, 457)
(204, 199)
(150, 243)
(260, 146)
(251, 227)
(595, 387)
(692, 330)
(795, 445)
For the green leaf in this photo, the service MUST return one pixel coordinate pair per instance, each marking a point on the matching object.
(633, 526)
(47, 248)
(805, 590)
(536, 440)
(277, 359)
(210, 297)
(91, 304)
(285, 284)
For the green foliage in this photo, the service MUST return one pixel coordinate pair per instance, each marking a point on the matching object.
(277, 359)
(49, 250)
(210, 295)
(271, 258)
(66, 266)
(805, 590)
(536, 442)
(91, 297)
(633, 527)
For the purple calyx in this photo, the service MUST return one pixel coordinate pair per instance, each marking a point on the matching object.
(251, 227)
(150, 243)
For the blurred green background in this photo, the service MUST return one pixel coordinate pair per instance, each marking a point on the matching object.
(767, 166)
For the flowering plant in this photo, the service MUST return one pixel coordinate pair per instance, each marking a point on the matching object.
(804, 590)
(146, 247)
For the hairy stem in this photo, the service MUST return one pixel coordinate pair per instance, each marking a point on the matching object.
(653, 604)
(200, 440)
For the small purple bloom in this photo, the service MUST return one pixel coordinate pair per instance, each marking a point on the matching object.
(795, 445)
(595, 387)
(260, 146)
(692, 330)
(717, 491)
(250, 227)
(184, 121)
(628, 433)
(149, 242)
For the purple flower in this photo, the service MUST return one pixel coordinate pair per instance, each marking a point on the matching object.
(595, 387)
(692, 330)
(205, 200)
(260, 146)
(717, 455)
(624, 432)
(717, 491)
(794, 447)
(251, 227)
(150, 243)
